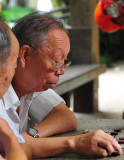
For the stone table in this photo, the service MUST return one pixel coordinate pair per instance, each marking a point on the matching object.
(105, 124)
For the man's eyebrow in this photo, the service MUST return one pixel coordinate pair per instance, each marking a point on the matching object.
(63, 55)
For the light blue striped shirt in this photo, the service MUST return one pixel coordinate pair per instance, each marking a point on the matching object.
(18, 135)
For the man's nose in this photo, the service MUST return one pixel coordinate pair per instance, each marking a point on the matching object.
(61, 71)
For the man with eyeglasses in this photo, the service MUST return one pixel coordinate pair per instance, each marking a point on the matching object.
(44, 47)
(42, 60)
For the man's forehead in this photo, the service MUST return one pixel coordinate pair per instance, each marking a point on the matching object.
(57, 35)
(58, 38)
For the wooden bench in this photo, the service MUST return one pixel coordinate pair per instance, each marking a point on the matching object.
(77, 82)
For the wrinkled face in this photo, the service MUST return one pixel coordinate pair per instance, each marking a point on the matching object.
(41, 69)
(8, 72)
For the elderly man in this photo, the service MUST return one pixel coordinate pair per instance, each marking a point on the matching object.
(44, 47)
(9, 49)
(38, 73)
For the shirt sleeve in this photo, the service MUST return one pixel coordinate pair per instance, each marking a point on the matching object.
(43, 103)
(17, 134)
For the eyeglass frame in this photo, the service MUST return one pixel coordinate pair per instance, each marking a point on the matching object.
(55, 64)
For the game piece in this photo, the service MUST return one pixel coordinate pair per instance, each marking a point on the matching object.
(121, 138)
(121, 141)
(115, 154)
(117, 130)
(114, 133)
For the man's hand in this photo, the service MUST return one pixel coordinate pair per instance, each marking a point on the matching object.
(97, 142)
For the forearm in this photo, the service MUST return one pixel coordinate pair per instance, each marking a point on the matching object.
(27, 150)
(13, 150)
(48, 147)
(59, 120)
(97, 142)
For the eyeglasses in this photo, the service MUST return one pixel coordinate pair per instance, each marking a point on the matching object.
(57, 66)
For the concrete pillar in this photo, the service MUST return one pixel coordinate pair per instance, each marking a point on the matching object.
(80, 13)
(84, 38)
(85, 30)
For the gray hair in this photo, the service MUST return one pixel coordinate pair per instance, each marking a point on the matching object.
(33, 29)
(5, 43)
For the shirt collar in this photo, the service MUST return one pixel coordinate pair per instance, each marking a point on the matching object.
(10, 98)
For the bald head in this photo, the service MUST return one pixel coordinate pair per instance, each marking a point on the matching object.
(5, 43)
(9, 49)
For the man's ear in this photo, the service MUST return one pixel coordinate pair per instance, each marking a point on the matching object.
(24, 55)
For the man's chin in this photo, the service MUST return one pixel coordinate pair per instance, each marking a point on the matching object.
(46, 87)
(40, 89)
(52, 85)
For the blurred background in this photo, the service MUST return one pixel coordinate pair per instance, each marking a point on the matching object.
(111, 45)
(111, 83)
(12, 10)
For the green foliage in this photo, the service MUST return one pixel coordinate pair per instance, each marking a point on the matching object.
(58, 3)
(14, 13)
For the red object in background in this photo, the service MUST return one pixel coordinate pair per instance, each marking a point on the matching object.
(104, 16)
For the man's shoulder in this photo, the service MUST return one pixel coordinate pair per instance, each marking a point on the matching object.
(47, 93)
(49, 96)
(10, 91)
(10, 98)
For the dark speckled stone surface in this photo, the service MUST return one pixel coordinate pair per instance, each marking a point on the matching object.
(105, 124)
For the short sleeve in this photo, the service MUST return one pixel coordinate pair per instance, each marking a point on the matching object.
(19, 136)
(43, 103)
